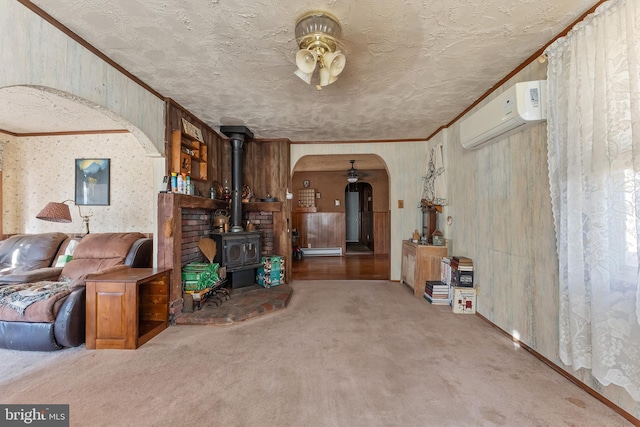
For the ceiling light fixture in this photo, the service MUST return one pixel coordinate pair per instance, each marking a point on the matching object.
(352, 174)
(317, 35)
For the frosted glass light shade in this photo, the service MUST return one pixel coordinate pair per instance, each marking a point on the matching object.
(324, 76)
(306, 77)
(306, 60)
(318, 22)
(335, 62)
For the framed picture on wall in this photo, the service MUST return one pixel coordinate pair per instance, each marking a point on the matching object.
(92, 182)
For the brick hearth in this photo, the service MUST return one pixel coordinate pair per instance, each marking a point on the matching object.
(245, 303)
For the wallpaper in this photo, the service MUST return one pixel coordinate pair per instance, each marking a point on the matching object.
(37, 170)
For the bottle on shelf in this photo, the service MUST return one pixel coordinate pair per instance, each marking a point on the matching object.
(227, 190)
(174, 182)
(180, 184)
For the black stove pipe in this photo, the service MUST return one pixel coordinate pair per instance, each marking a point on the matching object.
(237, 135)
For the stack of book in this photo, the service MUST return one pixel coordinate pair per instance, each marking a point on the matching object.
(461, 272)
(436, 292)
(445, 270)
(445, 274)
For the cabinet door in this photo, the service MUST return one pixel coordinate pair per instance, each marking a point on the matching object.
(111, 315)
(408, 265)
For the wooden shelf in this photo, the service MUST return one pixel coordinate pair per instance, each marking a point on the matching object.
(188, 155)
(196, 202)
(262, 206)
(192, 202)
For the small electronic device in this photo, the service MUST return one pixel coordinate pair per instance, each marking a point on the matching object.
(165, 185)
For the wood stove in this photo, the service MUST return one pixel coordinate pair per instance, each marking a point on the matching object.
(238, 251)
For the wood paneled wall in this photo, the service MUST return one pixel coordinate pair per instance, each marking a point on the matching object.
(266, 171)
(327, 230)
(218, 150)
(500, 204)
(321, 229)
(382, 233)
(266, 165)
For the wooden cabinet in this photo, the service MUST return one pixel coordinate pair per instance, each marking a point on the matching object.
(126, 308)
(188, 155)
(419, 264)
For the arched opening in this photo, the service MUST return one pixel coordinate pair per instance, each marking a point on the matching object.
(320, 207)
(56, 128)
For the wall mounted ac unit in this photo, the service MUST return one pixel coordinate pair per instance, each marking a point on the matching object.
(515, 109)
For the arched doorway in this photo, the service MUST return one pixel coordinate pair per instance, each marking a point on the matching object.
(322, 223)
(56, 128)
(359, 218)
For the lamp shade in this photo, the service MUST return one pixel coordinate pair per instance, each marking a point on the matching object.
(306, 60)
(55, 212)
(306, 77)
(335, 62)
(352, 179)
(324, 76)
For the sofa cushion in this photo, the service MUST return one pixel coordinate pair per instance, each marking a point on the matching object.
(26, 252)
(97, 252)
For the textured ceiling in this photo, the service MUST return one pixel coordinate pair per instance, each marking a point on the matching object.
(412, 65)
(54, 112)
(339, 162)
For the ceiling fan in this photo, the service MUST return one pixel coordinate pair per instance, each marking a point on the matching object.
(352, 174)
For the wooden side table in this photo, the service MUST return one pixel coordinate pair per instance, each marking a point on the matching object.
(126, 308)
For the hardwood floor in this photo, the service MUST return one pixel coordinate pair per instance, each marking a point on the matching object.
(348, 267)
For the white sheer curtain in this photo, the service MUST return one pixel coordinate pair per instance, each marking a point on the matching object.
(594, 169)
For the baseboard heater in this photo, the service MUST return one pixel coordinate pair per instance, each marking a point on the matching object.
(322, 251)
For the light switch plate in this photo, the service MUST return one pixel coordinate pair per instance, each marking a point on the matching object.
(400, 204)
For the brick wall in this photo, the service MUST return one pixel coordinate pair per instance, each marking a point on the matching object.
(263, 222)
(196, 223)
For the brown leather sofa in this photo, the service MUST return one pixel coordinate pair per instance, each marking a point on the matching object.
(28, 258)
(59, 322)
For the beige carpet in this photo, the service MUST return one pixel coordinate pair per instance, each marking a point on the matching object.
(351, 353)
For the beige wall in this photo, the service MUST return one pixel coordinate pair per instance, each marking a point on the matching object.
(501, 208)
(331, 186)
(37, 170)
